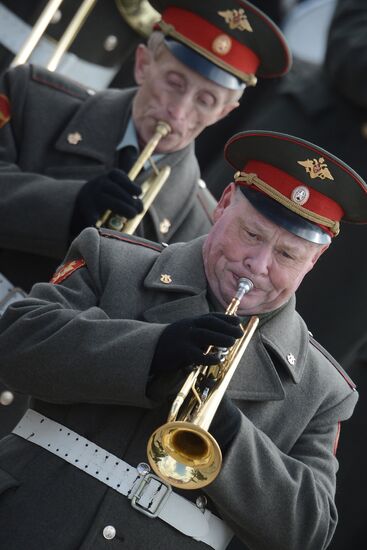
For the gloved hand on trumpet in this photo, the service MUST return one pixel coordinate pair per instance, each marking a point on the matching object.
(184, 342)
(182, 345)
(112, 190)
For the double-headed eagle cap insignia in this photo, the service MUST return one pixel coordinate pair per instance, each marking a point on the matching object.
(236, 19)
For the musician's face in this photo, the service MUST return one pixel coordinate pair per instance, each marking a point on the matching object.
(170, 91)
(243, 243)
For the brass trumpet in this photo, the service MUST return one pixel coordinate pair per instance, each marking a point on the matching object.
(182, 452)
(149, 189)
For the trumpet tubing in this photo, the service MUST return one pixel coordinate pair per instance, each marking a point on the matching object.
(182, 451)
(150, 188)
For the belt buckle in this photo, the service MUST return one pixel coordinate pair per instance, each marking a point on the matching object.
(145, 480)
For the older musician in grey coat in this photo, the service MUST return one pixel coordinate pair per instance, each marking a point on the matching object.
(102, 347)
(46, 160)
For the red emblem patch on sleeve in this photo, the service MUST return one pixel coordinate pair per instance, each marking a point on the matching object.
(66, 270)
(4, 110)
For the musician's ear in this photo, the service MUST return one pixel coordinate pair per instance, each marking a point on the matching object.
(143, 58)
(226, 199)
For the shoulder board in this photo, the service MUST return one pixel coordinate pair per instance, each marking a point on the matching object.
(131, 239)
(59, 82)
(334, 362)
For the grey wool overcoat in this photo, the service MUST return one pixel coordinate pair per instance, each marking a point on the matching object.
(60, 135)
(83, 348)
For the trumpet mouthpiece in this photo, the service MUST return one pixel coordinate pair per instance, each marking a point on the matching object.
(163, 128)
(244, 286)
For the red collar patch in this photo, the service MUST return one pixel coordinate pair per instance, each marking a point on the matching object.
(66, 270)
(4, 110)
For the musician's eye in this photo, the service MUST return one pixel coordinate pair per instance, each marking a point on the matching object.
(206, 99)
(249, 235)
(175, 81)
(286, 256)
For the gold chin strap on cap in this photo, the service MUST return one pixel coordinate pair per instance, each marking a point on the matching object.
(253, 179)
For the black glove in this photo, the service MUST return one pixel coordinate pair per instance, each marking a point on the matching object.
(226, 423)
(112, 191)
(184, 342)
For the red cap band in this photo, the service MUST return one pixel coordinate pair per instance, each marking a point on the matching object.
(285, 184)
(203, 34)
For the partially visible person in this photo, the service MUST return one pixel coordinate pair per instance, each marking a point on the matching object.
(103, 360)
(346, 54)
(65, 151)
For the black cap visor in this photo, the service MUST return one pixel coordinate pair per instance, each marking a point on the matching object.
(203, 66)
(285, 218)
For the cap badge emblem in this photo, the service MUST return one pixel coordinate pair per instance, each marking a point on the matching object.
(166, 279)
(300, 195)
(222, 44)
(236, 19)
(291, 359)
(316, 168)
(74, 138)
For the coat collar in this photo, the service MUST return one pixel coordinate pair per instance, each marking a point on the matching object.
(105, 113)
(286, 335)
(182, 265)
(281, 342)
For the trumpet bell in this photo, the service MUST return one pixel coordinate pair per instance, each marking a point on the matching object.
(185, 455)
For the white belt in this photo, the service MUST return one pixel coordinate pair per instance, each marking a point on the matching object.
(147, 493)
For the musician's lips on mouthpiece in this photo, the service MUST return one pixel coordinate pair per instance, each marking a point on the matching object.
(236, 279)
